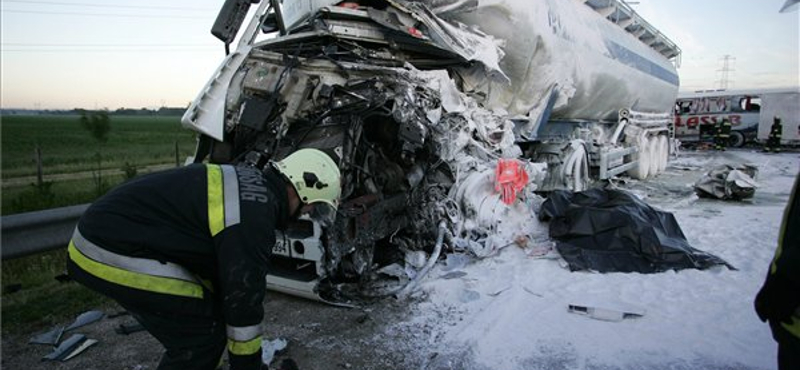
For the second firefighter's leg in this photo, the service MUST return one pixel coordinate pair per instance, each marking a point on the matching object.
(788, 347)
(191, 342)
(770, 144)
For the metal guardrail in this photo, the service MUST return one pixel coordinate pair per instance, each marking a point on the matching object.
(36, 232)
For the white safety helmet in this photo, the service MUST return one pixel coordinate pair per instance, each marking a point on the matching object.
(317, 181)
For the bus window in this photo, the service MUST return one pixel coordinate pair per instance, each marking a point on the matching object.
(749, 104)
(719, 105)
(709, 105)
(684, 107)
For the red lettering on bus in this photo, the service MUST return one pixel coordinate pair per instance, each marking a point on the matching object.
(708, 120)
(694, 121)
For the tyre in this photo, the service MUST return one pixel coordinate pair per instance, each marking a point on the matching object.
(655, 160)
(737, 139)
(663, 153)
(643, 156)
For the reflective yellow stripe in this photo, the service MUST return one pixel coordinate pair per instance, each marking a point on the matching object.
(216, 203)
(134, 279)
(794, 327)
(244, 348)
(139, 265)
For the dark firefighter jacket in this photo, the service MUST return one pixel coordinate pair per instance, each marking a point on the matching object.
(776, 130)
(216, 221)
(786, 262)
(724, 129)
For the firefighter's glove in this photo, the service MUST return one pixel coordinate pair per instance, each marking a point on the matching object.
(777, 300)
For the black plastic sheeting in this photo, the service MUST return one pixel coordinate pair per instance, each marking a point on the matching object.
(614, 231)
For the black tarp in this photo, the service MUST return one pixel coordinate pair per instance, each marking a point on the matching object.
(614, 231)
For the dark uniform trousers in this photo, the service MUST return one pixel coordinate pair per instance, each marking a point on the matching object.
(788, 347)
(722, 135)
(774, 139)
(189, 328)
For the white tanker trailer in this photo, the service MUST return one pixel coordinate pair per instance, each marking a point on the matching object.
(578, 64)
(422, 104)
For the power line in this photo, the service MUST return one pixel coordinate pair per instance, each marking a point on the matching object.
(100, 45)
(96, 5)
(102, 48)
(104, 15)
(109, 50)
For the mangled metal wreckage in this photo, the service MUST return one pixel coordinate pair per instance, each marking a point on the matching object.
(440, 130)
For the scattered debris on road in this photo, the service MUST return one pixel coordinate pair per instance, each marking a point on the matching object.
(727, 182)
(70, 348)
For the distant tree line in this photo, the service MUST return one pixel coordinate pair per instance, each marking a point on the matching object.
(163, 111)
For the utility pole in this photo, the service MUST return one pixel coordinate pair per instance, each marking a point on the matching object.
(725, 72)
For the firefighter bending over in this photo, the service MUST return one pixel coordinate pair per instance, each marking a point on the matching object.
(774, 139)
(185, 251)
(722, 135)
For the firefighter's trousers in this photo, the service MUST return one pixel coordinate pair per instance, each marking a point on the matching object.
(773, 144)
(190, 328)
(788, 347)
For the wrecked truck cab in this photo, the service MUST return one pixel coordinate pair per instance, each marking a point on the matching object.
(411, 107)
(372, 102)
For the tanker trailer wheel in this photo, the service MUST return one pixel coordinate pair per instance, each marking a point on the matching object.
(663, 153)
(643, 156)
(737, 139)
(655, 151)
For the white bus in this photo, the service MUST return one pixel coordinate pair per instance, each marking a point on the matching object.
(751, 113)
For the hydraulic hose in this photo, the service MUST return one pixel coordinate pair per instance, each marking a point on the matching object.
(405, 290)
(437, 250)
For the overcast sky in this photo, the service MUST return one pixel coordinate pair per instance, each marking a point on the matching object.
(146, 53)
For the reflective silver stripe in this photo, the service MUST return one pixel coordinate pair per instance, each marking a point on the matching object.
(133, 264)
(230, 185)
(243, 333)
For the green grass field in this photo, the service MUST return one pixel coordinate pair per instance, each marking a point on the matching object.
(41, 300)
(28, 198)
(67, 147)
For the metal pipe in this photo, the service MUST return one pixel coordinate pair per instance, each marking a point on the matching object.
(620, 126)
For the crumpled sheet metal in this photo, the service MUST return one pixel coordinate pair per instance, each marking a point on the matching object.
(614, 231)
(85, 318)
(473, 141)
(53, 336)
(727, 182)
(70, 348)
(49, 338)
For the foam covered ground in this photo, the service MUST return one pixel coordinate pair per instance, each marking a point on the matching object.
(510, 311)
